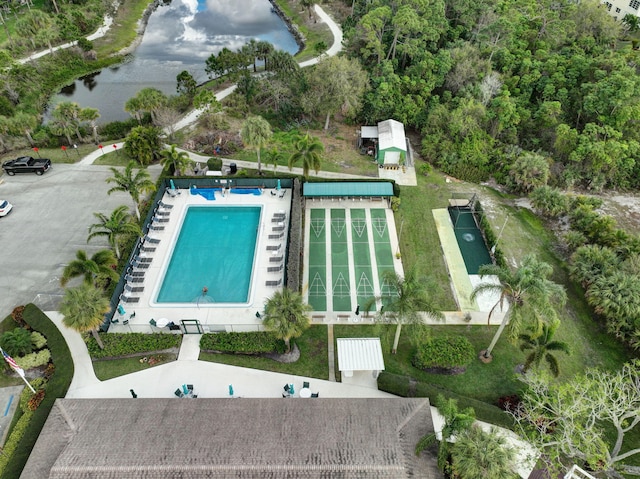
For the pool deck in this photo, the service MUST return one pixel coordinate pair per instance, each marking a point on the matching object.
(241, 317)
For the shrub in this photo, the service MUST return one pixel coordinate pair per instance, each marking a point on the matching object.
(16, 342)
(14, 440)
(131, 343)
(254, 342)
(214, 164)
(38, 340)
(395, 203)
(34, 360)
(18, 315)
(35, 400)
(425, 169)
(85, 45)
(26, 395)
(447, 352)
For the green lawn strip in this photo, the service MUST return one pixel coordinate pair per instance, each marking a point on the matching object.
(340, 279)
(124, 29)
(361, 257)
(56, 388)
(119, 367)
(318, 260)
(56, 155)
(312, 362)
(419, 241)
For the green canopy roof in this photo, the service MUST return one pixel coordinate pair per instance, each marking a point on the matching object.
(353, 188)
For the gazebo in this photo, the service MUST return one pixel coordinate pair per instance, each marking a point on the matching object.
(360, 354)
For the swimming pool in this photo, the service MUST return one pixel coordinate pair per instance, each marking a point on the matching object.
(215, 250)
(470, 240)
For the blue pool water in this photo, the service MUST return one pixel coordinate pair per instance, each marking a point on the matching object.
(215, 249)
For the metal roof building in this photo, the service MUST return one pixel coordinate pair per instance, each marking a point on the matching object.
(348, 188)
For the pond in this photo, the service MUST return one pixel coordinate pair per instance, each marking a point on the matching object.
(179, 36)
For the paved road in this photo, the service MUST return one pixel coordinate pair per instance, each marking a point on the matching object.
(48, 224)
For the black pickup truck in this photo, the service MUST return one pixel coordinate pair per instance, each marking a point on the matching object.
(26, 164)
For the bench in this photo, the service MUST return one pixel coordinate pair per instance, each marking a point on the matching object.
(318, 317)
(343, 317)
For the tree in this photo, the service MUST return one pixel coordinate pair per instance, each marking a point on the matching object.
(24, 123)
(256, 133)
(335, 84)
(480, 454)
(186, 84)
(529, 171)
(455, 423)
(527, 292)
(100, 267)
(542, 347)
(116, 227)
(83, 309)
(142, 143)
(132, 180)
(274, 156)
(91, 115)
(151, 100)
(549, 201)
(133, 106)
(307, 150)
(178, 159)
(584, 420)
(282, 63)
(285, 313)
(590, 262)
(405, 301)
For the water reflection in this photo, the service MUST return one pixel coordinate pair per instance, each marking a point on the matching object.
(179, 36)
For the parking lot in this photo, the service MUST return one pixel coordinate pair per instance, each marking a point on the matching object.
(49, 223)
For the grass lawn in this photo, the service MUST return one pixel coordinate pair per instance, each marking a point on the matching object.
(56, 155)
(119, 367)
(312, 362)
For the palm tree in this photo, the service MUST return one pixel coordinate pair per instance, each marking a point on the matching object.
(115, 228)
(274, 155)
(308, 149)
(590, 262)
(134, 184)
(100, 266)
(91, 115)
(405, 300)
(255, 133)
(151, 100)
(477, 453)
(528, 293)
(134, 107)
(455, 422)
(285, 313)
(83, 309)
(171, 156)
(541, 346)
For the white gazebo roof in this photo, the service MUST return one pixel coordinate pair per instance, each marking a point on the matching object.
(391, 134)
(360, 354)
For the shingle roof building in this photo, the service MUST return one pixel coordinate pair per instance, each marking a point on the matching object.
(240, 438)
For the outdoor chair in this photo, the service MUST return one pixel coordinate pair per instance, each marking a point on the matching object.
(165, 205)
(133, 289)
(286, 388)
(190, 387)
(171, 193)
(153, 323)
(125, 322)
(315, 395)
(273, 283)
(151, 240)
(178, 393)
(305, 384)
(282, 192)
(275, 259)
(273, 193)
(194, 396)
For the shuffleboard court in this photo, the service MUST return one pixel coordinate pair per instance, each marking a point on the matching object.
(361, 257)
(318, 260)
(341, 291)
(382, 245)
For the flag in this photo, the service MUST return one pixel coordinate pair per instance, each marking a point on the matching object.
(12, 363)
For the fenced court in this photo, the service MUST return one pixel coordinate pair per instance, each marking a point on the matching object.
(469, 237)
(349, 248)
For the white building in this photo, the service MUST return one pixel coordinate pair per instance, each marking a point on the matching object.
(619, 8)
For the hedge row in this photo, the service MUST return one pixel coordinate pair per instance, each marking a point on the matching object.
(253, 342)
(400, 386)
(57, 387)
(119, 344)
